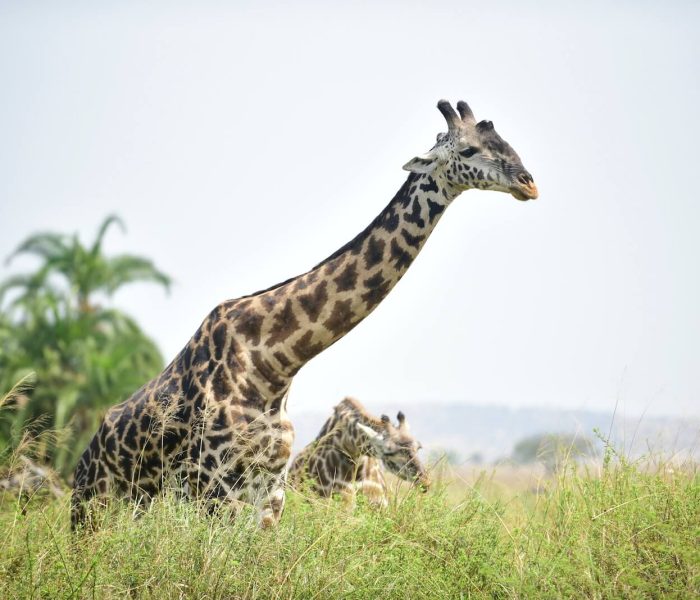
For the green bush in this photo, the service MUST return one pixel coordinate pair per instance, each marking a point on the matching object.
(84, 356)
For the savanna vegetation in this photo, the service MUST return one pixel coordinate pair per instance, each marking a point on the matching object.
(623, 533)
(81, 356)
(553, 450)
(615, 530)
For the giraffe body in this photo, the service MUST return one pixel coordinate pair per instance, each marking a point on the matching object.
(213, 424)
(348, 455)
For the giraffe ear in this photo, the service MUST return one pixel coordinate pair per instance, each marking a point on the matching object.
(425, 163)
(371, 434)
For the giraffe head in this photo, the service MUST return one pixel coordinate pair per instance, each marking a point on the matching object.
(473, 155)
(396, 448)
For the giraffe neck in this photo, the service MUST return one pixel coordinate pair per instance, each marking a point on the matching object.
(340, 431)
(296, 320)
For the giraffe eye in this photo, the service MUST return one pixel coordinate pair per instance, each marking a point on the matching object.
(468, 152)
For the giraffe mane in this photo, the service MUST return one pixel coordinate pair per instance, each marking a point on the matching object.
(272, 287)
(360, 237)
(357, 408)
(353, 243)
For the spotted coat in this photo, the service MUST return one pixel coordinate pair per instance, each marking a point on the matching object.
(213, 424)
(349, 454)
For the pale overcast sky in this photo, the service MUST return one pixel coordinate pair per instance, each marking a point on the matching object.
(244, 142)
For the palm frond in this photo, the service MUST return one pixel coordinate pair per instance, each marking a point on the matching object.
(110, 220)
(45, 245)
(127, 268)
(25, 282)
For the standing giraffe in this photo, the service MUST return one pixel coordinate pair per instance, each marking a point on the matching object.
(348, 453)
(213, 424)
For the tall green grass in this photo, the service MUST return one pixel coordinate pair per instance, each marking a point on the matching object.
(626, 532)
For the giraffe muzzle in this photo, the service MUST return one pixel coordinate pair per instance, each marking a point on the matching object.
(524, 188)
(423, 482)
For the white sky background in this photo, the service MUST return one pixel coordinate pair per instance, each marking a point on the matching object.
(243, 144)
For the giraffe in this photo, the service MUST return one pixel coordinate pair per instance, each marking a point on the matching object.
(347, 455)
(213, 424)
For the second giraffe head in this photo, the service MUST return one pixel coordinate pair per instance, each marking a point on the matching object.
(397, 449)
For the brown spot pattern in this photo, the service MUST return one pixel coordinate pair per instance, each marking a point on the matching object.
(342, 318)
(331, 267)
(434, 209)
(375, 251)
(313, 302)
(220, 383)
(402, 258)
(218, 336)
(347, 278)
(306, 280)
(250, 393)
(249, 326)
(412, 240)
(282, 358)
(304, 349)
(266, 369)
(284, 324)
(377, 288)
(390, 220)
(415, 215)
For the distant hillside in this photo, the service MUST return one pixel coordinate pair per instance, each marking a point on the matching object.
(492, 431)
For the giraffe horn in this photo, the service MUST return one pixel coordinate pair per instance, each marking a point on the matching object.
(401, 418)
(466, 113)
(453, 120)
(386, 422)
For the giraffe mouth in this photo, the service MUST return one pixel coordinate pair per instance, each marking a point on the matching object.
(423, 483)
(524, 191)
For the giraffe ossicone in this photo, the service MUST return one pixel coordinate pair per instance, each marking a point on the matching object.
(350, 452)
(213, 424)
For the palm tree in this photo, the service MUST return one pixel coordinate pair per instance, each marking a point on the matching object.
(86, 357)
(86, 269)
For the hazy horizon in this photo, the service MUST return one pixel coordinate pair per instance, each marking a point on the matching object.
(241, 145)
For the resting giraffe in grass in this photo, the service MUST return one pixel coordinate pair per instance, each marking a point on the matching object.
(348, 454)
(213, 424)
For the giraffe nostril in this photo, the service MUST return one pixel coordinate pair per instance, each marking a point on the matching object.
(525, 178)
